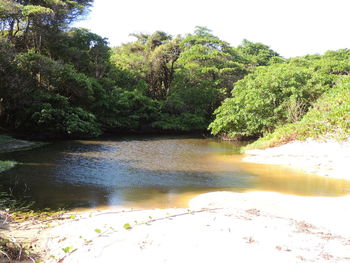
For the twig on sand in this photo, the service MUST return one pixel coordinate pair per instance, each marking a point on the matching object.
(182, 214)
(67, 255)
(6, 255)
(143, 223)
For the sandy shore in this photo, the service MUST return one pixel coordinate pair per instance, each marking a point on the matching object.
(216, 227)
(325, 158)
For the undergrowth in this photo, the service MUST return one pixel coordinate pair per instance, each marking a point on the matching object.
(16, 211)
(329, 118)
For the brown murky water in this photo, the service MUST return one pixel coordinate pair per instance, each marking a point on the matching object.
(148, 172)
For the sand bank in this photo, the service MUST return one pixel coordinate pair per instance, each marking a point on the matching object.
(216, 227)
(325, 158)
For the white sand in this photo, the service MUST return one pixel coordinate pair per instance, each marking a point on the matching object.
(217, 227)
(326, 158)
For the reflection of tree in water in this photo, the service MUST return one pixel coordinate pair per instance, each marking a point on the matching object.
(145, 172)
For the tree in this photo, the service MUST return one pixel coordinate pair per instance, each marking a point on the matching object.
(278, 94)
(152, 58)
(88, 52)
(207, 69)
(257, 54)
(29, 24)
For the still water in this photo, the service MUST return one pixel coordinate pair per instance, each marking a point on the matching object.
(147, 172)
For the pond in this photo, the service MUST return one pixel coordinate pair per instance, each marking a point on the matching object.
(147, 172)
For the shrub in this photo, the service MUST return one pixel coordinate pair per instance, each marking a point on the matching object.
(54, 115)
(328, 118)
(272, 96)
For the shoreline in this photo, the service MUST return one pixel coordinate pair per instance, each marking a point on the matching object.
(278, 227)
(253, 225)
(9, 144)
(328, 158)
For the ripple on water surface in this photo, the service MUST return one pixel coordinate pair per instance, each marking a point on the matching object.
(148, 172)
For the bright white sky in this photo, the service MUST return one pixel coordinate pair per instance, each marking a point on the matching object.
(290, 27)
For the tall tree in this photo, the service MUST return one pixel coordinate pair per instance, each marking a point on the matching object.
(28, 23)
(209, 65)
(88, 52)
(153, 58)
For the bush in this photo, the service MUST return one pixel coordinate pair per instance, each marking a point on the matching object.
(54, 115)
(328, 118)
(272, 96)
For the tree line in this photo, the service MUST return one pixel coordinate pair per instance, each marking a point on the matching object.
(56, 80)
(63, 81)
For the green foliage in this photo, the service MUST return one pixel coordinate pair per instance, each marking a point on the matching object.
(127, 226)
(32, 24)
(68, 249)
(267, 98)
(180, 122)
(53, 76)
(36, 10)
(302, 98)
(189, 76)
(328, 118)
(54, 115)
(152, 59)
(257, 54)
(88, 52)
(123, 110)
(209, 63)
(44, 103)
(57, 81)
(40, 94)
(9, 9)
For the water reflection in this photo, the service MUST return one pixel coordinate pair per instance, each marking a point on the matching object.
(147, 172)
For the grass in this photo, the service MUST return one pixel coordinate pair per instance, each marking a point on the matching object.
(329, 118)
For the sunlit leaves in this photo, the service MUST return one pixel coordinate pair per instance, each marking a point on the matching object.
(278, 94)
(9, 8)
(257, 54)
(267, 98)
(36, 10)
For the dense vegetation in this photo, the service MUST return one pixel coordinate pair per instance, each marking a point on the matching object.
(61, 81)
(302, 97)
(329, 117)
